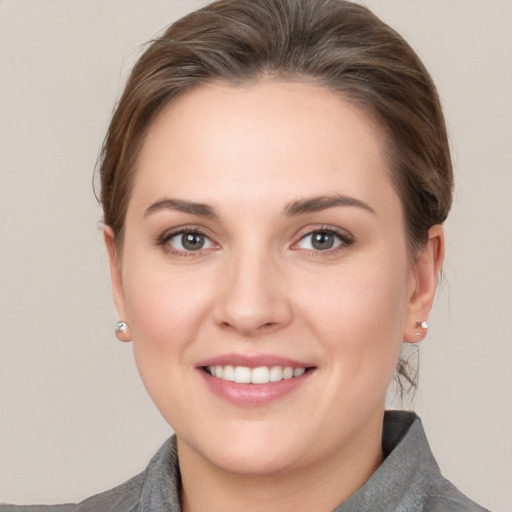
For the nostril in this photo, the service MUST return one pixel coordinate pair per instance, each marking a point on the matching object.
(265, 326)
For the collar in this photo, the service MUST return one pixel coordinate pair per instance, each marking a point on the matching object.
(401, 482)
(409, 468)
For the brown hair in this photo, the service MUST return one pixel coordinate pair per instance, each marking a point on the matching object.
(335, 43)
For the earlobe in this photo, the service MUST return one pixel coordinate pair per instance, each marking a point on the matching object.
(122, 331)
(117, 280)
(425, 274)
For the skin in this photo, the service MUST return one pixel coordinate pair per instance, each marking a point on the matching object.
(258, 286)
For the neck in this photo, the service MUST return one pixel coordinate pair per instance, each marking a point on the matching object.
(321, 486)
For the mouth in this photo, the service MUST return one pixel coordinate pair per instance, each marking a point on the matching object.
(253, 380)
(258, 375)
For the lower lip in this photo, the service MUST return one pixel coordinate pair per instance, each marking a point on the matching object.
(253, 394)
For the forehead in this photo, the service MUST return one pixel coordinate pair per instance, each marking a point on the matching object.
(270, 140)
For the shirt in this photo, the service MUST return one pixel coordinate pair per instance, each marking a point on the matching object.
(409, 480)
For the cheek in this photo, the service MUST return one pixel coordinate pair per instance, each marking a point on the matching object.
(165, 317)
(161, 308)
(165, 309)
(359, 314)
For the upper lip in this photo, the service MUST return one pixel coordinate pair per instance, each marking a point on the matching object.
(252, 361)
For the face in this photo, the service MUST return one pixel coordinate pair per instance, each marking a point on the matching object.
(265, 275)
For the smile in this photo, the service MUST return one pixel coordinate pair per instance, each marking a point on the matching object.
(259, 375)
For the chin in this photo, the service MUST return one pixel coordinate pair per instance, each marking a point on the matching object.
(250, 454)
(249, 463)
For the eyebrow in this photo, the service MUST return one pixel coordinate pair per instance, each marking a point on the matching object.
(294, 208)
(319, 203)
(181, 205)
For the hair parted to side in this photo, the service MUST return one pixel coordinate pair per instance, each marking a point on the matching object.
(335, 43)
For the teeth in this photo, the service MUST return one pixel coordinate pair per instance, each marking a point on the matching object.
(242, 375)
(276, 374)
(260, 375)
(288, 373)
(229, 373)
(297, 372)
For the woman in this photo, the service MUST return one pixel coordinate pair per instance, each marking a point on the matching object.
(274, 182)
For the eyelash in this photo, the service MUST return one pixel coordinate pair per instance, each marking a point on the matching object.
(345, 240)
(168, 236)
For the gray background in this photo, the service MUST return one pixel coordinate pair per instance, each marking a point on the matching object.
(74, 419)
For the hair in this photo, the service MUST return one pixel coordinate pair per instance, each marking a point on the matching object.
(334, 43)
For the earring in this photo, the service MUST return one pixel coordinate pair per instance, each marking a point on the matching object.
(121, 327)
(423, 325)
(122, 331)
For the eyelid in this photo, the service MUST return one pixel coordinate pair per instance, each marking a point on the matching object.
(346, 238)
(164, 238)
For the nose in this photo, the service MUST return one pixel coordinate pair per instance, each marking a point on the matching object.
(253, 296)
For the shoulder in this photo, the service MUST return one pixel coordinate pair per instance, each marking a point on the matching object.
(443, 496)
(123, 498)
(411, 472)
(156, 488)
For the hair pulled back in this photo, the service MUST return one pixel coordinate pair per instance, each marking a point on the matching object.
(335, 43)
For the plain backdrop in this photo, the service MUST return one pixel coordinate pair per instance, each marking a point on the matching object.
(74, 418)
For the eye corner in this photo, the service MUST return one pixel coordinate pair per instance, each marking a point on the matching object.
(187, 241)
(323, 239)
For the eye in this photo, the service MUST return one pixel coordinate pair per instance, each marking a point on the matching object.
(188, 241)
(323, 240)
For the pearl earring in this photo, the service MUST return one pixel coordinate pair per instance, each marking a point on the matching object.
(121, 327)
(423, 325)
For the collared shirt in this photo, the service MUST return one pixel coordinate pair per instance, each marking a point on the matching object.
(409, 480)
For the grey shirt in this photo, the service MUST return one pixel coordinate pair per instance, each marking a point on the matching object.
(408, 480)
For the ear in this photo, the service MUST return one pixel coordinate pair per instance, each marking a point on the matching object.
(425, 275)
(117, 280)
